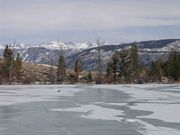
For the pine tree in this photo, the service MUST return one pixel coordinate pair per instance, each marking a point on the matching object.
(118, 66)
(8, 57)
(18, 66)
(124, 61)
(112, 67)
(173, 65)
(77, 69)
(61, 69)
(7, 53)
(134, 63)
(156, 70)
(115, 58)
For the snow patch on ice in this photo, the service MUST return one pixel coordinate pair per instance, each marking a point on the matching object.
(95, 112)
(164, 112)
(117, 104)
(148, 129)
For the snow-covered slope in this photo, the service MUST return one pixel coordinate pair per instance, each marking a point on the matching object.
(67, 45)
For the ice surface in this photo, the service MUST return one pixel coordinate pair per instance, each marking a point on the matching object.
(156, 98)
(95, 112)
(149, 129)
(165, 112)
(162, 100)
(23, 94)
(94, 103)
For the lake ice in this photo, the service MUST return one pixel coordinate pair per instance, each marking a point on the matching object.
(150, 109)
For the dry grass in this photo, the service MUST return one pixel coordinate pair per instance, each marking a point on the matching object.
(36, 73)
(32, 73)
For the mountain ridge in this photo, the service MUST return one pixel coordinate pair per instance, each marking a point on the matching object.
(47, 52)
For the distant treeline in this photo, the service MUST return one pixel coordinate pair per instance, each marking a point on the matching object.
(122, 67)
(10, 66)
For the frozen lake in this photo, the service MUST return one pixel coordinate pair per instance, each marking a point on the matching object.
(90, 110)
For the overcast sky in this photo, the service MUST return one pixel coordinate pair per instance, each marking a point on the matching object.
(114, 21)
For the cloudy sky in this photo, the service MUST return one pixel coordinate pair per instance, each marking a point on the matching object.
(114, 21)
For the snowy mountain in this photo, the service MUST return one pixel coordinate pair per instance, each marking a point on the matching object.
(149, 52)
(45, 53)
(54, 45)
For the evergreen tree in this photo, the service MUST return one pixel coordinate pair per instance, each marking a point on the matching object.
(61, 69)
(124, 61)
(173, 66)
(1, 72)
(114, 66)
(77, 69)
(109, 72)
(118, 66)
(134, 63)
(7, 53)
(18, 66)
(156, 70)
(8, 57)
